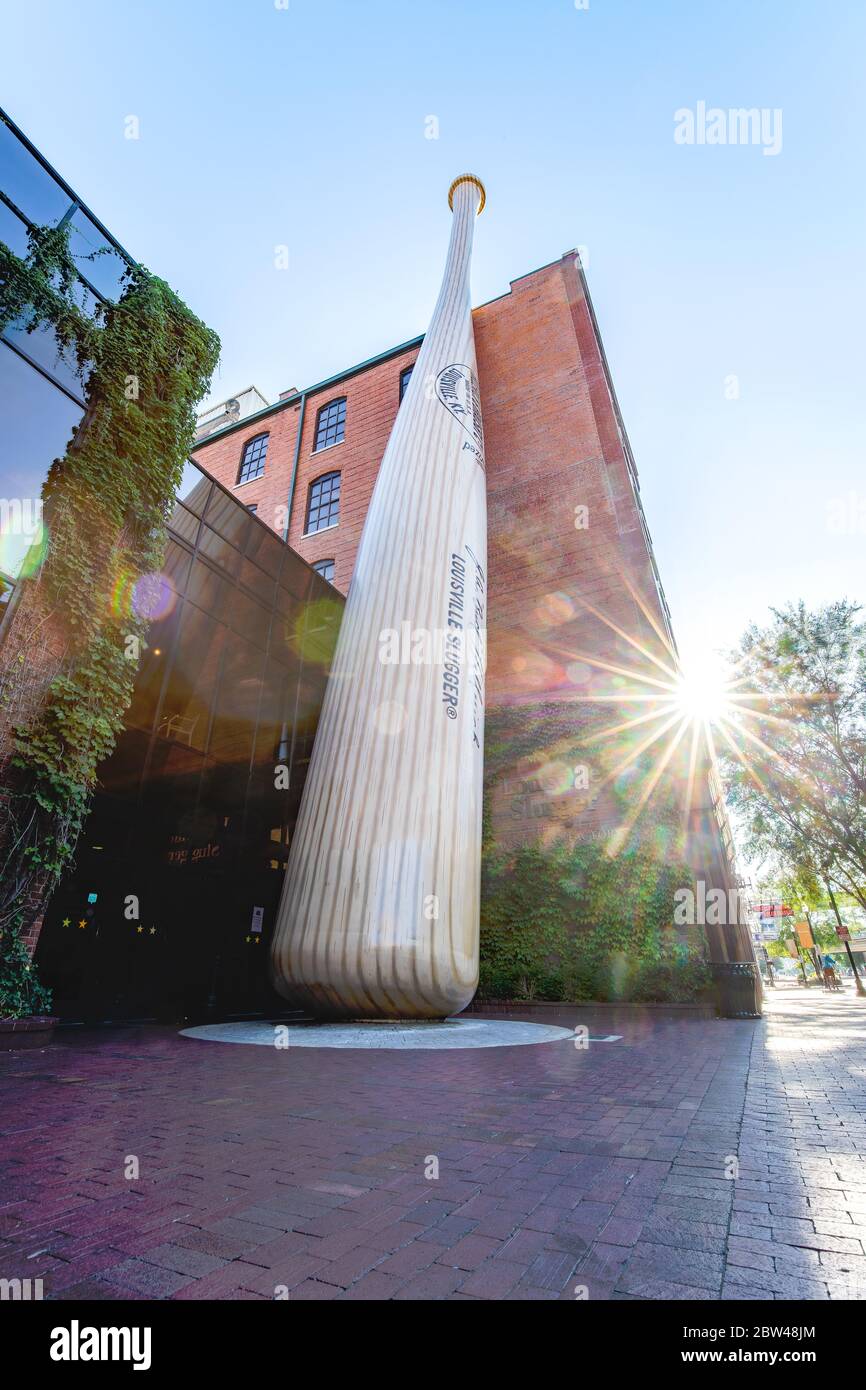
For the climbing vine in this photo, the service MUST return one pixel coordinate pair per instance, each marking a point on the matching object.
(21, 994)
(146, 361)
(573, 921)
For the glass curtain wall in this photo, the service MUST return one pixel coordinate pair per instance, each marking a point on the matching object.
(179, 868)
(170, 908)
(41, 388)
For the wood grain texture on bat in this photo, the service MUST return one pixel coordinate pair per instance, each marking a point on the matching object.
(379, 915)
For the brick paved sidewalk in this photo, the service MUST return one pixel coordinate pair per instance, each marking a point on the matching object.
(558, 1168)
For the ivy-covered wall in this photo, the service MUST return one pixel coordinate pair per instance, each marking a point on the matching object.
(146, 361)
(570, 910)
(574, 923)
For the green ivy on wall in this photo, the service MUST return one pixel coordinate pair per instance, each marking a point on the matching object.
(567, 923)
(21, 994)
(574, 922)
(147, 361)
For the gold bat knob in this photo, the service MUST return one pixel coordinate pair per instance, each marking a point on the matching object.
(468, 178)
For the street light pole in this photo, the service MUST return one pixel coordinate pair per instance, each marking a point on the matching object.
(860, 990)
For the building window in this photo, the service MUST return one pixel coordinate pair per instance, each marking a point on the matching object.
(323, 507)
(326, 569)
(253, 508)
(331, 424)
(253, 458)
(404, 380)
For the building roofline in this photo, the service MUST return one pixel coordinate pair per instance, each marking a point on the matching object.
(311, 390)
(628, 453)
(380, 357)
(360, 366)
(242, 392)
(232, 397)
(548, 265)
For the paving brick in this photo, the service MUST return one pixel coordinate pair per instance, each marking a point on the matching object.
(494, 1279)
(790, 1285)
(289, 1273)
(667, 1263)
(183, 1260)
(147, 1279)
(210, 1242)
(525, 1199)
(435, 1282)
(619, 1231)
(551, 1270)
(345, 1270)
(394, 1236)
(409, 1259)
(469, 1252)
(375, 1286)
(311, 1291)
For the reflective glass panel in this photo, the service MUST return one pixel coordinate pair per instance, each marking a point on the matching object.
(31, 188)
(38, 422)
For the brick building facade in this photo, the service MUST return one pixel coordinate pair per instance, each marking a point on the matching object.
(578, 627)
(554, 441)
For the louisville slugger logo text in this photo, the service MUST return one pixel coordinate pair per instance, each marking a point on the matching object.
(457, 389)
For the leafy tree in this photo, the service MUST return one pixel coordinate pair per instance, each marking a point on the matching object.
(795, 768)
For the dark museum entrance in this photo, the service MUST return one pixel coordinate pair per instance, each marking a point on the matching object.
(170, 906)
(165, 917)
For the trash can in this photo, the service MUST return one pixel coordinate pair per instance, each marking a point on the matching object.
(737, 989)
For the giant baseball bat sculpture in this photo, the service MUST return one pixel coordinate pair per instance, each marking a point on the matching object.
(379, 912)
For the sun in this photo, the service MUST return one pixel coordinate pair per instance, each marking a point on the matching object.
(675, 719)
(701, 695)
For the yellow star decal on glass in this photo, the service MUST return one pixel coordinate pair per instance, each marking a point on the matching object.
(82, 923)
(66, 922)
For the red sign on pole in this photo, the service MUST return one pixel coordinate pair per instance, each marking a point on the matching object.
(843, 933)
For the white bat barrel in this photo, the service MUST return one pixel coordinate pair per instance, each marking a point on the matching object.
(380, 908)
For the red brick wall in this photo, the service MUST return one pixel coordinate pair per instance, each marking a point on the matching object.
(552, 443)
(222, 459)
(372, 399)
(561, 598)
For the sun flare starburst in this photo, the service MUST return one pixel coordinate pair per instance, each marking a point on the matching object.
(668, 721)
(703, 695)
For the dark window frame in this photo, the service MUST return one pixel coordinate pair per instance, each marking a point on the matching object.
(247, 459)
(320, 565)
(321, 499)
(405, 377)
(326, 426)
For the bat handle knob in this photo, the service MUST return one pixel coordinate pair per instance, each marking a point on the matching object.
(468, 178)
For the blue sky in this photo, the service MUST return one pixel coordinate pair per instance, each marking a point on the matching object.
(305, 127)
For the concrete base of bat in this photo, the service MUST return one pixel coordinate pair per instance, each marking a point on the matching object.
(403, 1036)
